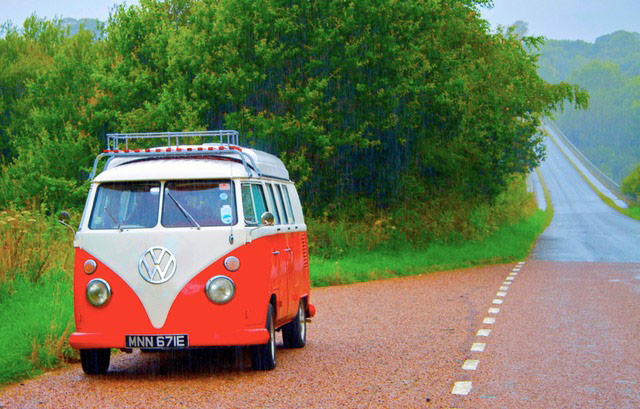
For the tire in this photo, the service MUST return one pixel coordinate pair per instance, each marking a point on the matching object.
(95, 361)
(294, 334)
(263, 357)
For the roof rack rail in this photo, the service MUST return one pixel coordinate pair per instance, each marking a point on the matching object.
(114, 139)
(225, 148)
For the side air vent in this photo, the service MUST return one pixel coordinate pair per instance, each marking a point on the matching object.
(305, 252)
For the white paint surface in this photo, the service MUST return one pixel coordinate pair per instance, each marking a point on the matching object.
(513, 274)
(504, 288)
(510, 278)
(484, 332)
(494, 310)
(478, 347)
(497, 301)
(501, 294)
(489, 320)
(461, 388)
(470, 365)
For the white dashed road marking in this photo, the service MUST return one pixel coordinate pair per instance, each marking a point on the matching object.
(464, 387)
(470, 365)
(478, 347)
(461, 388)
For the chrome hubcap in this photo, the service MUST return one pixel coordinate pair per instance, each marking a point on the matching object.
(303, 322)
(272, 342)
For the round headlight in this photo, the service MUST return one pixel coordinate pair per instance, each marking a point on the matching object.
(220, 289)
(98, 292)
(232, 263)
(90, 266)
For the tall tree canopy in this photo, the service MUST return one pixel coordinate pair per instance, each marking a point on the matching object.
(362, 99)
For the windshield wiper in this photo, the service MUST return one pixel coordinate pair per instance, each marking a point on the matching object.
(112, 218)
(183, 210)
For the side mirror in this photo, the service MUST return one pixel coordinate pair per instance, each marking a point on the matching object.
(267, 219)
(63, 219)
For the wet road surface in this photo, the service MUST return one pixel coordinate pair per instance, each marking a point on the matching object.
(583, 228)
(567, 331)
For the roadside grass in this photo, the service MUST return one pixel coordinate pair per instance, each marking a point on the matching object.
(633, 212)
(36, 319)
(36, 299)
(509, 243)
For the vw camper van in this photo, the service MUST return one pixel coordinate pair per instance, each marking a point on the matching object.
(189, 245)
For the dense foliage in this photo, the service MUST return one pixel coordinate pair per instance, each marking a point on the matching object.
(608, 133)
(631, 183)
(370, 103)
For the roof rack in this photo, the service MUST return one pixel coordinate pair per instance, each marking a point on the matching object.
(224, 148)
(114, 139)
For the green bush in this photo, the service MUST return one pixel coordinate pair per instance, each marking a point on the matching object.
(631, 183)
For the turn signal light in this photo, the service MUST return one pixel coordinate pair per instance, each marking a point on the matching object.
(90, 266)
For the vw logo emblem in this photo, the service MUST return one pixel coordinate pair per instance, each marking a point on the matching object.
(157, 265)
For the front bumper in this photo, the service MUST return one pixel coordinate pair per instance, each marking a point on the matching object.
(250, 336)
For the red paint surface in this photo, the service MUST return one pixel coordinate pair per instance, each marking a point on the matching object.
(239, 322)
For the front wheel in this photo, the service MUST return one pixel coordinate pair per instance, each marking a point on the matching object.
(263, 357)
(294, 334)
(95, 361)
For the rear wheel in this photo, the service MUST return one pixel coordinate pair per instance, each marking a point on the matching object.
(294, 334)
(263, 357)
(95, 361)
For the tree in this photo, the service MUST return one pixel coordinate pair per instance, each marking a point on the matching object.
(631, 183)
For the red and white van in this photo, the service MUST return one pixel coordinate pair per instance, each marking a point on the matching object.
(189, 246)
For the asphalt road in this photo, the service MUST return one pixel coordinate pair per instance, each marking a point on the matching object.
(559, 330)
(583, 228)
(567, 331)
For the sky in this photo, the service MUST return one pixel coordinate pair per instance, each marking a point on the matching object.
(18, 10)
(568, 19)
(555, 19)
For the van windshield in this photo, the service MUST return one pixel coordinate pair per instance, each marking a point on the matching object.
(126, 205)
(195, 203)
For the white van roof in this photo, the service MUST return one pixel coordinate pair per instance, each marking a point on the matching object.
(134, 168)
(179, 161)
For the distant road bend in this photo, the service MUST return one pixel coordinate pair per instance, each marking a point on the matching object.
(583, 228)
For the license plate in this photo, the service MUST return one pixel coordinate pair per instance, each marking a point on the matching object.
(157, 341)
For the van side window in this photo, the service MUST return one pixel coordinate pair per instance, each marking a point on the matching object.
(284, 210)
(276, 213)
(287, 199)
(283, 218)
(253, 202)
